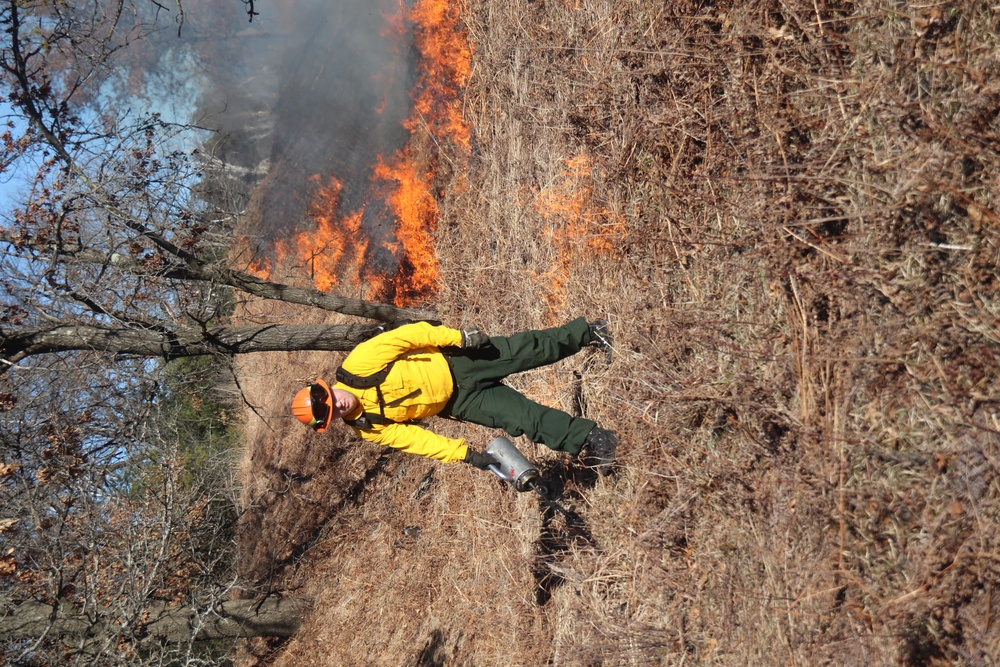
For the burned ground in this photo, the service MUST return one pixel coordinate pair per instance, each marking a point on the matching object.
(788, 212)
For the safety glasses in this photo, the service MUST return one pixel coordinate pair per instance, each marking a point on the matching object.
(318, 397)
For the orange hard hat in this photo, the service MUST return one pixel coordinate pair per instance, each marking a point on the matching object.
(313, 405)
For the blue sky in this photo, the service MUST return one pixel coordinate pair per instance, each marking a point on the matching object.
(11, 182)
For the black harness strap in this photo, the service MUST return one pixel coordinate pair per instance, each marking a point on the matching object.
(363, 381)
(367, 419)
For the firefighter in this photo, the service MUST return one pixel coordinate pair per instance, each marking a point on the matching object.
(390, 382)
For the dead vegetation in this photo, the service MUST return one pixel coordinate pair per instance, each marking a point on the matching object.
(788, 211)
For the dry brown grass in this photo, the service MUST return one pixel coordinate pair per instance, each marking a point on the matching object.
(788, 212)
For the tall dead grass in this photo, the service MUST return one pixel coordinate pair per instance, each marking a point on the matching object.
(787, 211)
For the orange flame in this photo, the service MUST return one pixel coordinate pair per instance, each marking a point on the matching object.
(445, 50)
(578, 228)
(258, 266)
(334, 243)
(337, 246)
(416, 213)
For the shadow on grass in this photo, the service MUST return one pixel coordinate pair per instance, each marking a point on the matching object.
(563, 528)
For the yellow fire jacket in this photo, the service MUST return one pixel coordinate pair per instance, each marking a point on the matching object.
(419, 365)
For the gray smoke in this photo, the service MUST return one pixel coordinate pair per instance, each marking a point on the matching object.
(308, 88)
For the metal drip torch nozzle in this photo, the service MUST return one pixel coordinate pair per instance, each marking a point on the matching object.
(514, 468)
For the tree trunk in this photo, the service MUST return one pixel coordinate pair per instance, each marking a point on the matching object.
(273, 617)
(227, 620)
(265, 289)
(196, 270)
(16, 345)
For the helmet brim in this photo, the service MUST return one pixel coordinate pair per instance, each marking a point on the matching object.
(319, 428)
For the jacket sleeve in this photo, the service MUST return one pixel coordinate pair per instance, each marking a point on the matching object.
(416, 440)
(376, 353)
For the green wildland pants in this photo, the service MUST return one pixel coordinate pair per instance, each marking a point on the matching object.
(481, 397)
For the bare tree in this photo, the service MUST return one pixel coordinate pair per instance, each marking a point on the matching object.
(114, 548)
(104, 253)
(110, 267)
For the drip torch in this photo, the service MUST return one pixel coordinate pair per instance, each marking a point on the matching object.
(514, 468)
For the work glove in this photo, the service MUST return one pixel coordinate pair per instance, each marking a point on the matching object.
(480, 460)
(473, 338)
